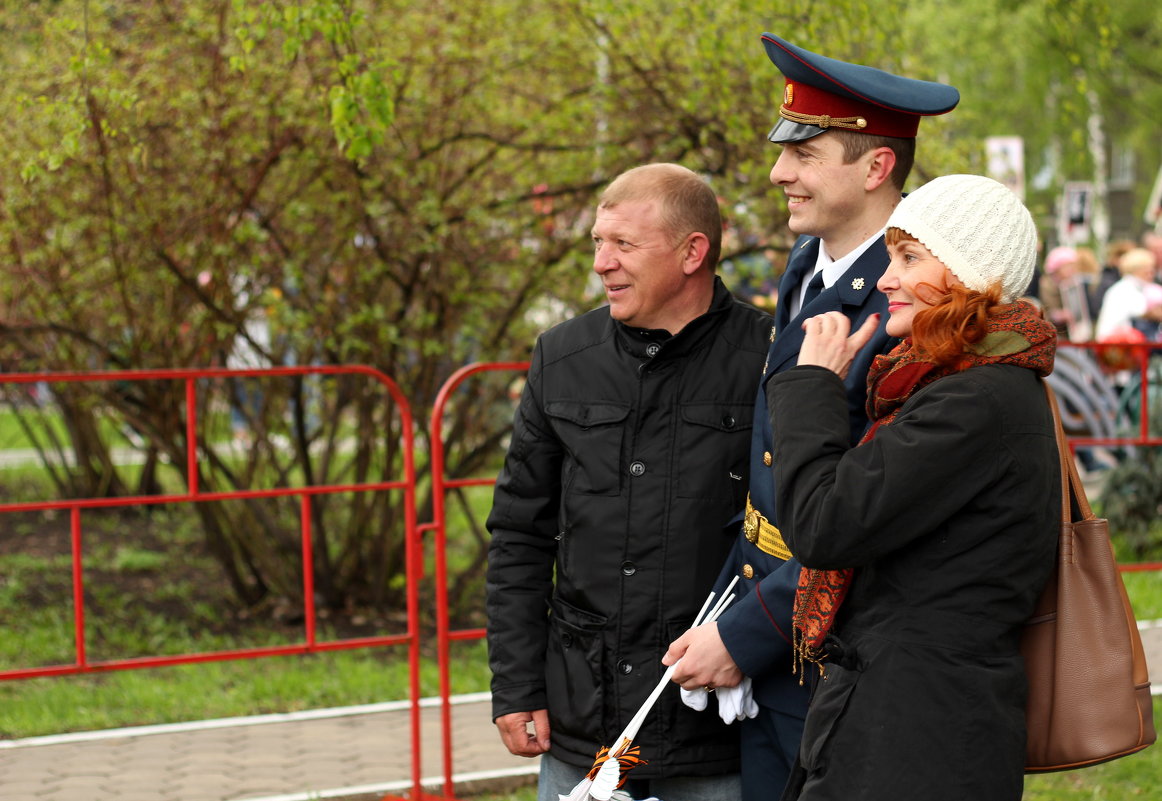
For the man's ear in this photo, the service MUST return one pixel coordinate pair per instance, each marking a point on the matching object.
(697, 245)
(880, 164)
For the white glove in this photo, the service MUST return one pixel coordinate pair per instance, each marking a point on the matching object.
(695, 699)
(734, 703)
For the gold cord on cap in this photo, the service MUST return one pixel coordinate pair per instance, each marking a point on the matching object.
(823, 121)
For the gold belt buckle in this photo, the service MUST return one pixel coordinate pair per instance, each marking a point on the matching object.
(750, 523)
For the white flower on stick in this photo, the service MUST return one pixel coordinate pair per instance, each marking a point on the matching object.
(612, 764)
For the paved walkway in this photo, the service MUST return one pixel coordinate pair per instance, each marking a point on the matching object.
(356, 754)
(353, 753)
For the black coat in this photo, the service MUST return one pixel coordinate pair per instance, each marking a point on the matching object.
(623, 472)
(950, 516)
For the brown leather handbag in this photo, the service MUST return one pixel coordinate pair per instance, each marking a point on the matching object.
(1089, 690)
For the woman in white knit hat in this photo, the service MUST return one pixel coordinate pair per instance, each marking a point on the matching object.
(926, 545)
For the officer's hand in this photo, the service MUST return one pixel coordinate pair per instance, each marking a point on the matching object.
(827, 343)
(705, 660)
(517, 738)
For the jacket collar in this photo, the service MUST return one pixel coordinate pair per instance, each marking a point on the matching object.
(852, 288)
(849, 294)
(656, 344)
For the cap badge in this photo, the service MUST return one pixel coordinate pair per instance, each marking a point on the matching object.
(789, 94)
(857, 284)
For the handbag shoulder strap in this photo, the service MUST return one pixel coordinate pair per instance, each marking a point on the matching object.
(1072, 490)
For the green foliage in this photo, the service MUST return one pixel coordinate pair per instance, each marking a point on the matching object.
(410, 186)
(1132, 501)
(359, 96)
(1052, 72)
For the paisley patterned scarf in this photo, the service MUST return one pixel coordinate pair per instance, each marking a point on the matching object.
(1015, 334)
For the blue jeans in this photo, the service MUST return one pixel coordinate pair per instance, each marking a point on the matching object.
(558, 778)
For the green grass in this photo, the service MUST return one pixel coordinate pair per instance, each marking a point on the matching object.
(1145, 591)
(1138, 776)
(46, 426)
(13, 435)
(209, 690)
(527, 793)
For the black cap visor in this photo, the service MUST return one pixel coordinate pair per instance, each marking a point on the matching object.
(787, 131)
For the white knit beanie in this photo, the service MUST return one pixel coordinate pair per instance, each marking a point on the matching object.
(977, 227)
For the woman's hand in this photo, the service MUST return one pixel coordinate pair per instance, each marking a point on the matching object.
(827, 343)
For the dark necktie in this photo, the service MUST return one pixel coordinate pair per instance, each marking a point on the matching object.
(814, 287)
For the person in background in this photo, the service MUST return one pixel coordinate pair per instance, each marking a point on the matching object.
(1152, 241)
(1089, 270)
(927, 545)
(848, 137)
(1064, 294)
(627, 461)
(1135, 301)
(1108, 276)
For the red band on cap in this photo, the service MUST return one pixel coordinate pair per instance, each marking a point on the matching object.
(802, 99)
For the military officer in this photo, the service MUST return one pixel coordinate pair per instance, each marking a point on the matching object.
(847, 134)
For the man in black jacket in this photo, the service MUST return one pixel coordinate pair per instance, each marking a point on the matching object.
(609, 521)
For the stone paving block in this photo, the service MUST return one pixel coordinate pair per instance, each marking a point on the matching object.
(134, 785)
(71, 787)
(22, 788)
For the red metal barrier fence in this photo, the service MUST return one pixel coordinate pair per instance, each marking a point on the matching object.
(1134, 361)
(195, 445)
(441, 484)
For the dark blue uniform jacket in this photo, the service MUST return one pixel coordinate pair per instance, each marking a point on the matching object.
(756, 629)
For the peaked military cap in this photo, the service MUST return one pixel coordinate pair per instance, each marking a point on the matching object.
(823, 93)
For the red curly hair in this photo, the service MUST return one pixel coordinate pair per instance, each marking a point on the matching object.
(956, 317)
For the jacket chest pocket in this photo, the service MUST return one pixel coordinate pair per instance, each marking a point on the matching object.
(715, 447)
(591, 433)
